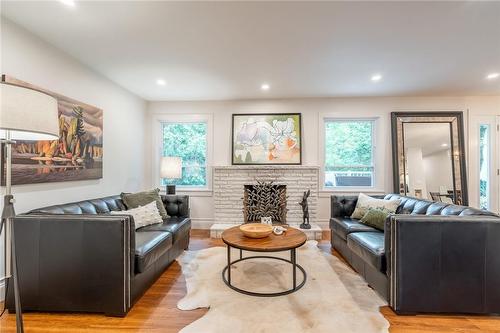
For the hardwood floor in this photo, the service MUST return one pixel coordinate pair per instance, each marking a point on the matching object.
(157, 312)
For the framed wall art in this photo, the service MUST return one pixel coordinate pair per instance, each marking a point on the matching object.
(76, 155)
(267, 139)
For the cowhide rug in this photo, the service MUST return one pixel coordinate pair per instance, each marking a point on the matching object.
(334, 298)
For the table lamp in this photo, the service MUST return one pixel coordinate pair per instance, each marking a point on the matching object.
(25, 114)
(171, 168)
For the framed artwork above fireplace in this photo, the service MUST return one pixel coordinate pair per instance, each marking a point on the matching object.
(267, 139)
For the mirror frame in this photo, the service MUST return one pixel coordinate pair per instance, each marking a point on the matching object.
(455, 120)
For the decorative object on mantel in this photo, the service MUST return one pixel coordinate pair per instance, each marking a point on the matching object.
(265, 199)
(75, 154)
(171, 169)
(305, 211)
(266, 220)
(272, 138)
(256, 230)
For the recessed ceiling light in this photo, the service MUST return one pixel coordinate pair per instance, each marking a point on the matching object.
(265, 87)
(161, 82)
(70, 3)
(444, 145)
(376, 77)
(493, 76)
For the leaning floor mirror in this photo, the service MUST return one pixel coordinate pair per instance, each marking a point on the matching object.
(428, 156)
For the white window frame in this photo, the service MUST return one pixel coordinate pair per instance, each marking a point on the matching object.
(157, 146)
(377, 158)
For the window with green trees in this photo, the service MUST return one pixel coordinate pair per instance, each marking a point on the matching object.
(189, 142)
(349, 153)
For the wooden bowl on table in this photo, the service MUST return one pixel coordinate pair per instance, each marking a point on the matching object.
(256, 230)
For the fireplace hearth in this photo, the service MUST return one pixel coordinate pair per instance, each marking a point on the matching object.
(264, 199)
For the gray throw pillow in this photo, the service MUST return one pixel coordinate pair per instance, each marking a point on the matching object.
(134, 200)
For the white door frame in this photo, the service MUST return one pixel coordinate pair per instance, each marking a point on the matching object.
(475, 122)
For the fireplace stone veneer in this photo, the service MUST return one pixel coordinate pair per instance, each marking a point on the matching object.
(229, 182)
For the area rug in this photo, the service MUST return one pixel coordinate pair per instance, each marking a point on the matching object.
(334, 298)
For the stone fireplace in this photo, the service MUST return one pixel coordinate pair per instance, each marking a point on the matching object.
(229, 186)
(264, 199)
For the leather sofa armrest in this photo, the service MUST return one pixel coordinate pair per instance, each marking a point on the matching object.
(176, 205)
(75, 262)
(435, 263)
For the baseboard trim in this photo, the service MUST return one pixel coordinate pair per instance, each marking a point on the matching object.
(201, 223)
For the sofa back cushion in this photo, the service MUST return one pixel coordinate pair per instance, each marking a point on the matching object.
(93, 206)
(415, 206)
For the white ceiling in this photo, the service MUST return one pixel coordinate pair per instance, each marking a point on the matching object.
(225, 50)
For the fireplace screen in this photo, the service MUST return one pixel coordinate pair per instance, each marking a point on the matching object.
(265, 199)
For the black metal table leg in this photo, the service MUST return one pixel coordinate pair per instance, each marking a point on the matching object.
(229, 264)
(241, 254)
(293, 262)
(294, 267)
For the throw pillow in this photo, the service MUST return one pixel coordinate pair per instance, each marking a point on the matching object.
(143, 215)
(134, 200)
(375, 217)
(365, 202)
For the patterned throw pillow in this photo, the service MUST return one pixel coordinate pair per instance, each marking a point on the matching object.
(143, 215)
(375, 217)
(366, 202)
(134, 200)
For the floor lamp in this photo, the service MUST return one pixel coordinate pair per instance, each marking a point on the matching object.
(25, 114)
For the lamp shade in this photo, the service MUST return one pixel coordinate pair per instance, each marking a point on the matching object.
(171, 167)
(27, 114)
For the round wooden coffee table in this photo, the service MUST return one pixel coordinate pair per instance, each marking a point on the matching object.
(288, 241)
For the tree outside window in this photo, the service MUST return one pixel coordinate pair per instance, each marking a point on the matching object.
(349, 153)
(189, 142)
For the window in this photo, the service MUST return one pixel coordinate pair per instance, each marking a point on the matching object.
(484, 166)
(349, 153)
(187, 137)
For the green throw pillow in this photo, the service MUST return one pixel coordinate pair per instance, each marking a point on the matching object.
(134, 200)
(375, 217)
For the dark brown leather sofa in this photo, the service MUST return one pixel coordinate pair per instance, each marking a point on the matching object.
(432, 257)
(77, 257)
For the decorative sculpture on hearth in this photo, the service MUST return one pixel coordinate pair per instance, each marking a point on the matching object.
(305, 211)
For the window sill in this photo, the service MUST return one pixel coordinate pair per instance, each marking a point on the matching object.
(326, 193)
(193, 192)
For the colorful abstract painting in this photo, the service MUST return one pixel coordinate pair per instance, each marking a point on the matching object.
(266, 139)
(76, 155)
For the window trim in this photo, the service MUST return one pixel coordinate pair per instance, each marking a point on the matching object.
(377, 182)
(156, 126)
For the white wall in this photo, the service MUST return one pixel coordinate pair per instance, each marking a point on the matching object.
(30, 59)
(312, 111)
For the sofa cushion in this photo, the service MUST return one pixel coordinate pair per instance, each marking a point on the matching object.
(134, 200)
(366, 202)
(375, 217)
(370, 247)
(93, 206)
(343, 226)
(149, 246)
(178, 226)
